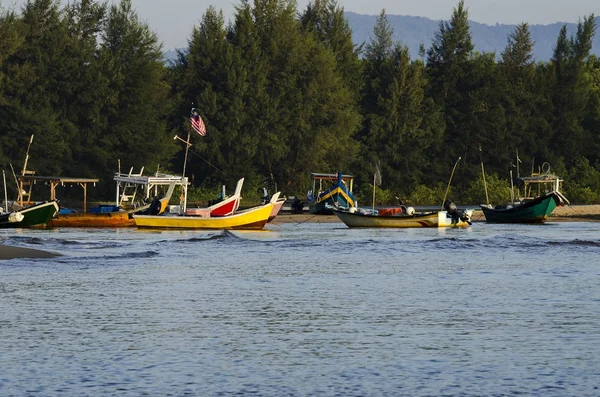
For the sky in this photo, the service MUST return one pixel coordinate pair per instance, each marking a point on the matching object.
(173, 20)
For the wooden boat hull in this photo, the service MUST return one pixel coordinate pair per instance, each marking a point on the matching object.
(429, 219)
(106, 219)
(534, 211)
(276, 208)
(251, 219)
(37, 215)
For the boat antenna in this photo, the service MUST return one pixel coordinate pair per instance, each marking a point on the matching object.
(27, 155)
(487, 199)
(449, 182)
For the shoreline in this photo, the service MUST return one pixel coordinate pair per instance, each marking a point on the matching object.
(570, 213)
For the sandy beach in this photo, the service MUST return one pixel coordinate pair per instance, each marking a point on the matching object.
(10, 252)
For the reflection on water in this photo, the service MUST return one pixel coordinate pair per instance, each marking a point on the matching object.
(303, 309)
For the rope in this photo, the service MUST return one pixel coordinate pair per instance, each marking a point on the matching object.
(209, 163)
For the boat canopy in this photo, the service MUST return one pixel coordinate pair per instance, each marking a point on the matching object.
(27, 181)
(536, 185)
(127, 185)
(330, 177)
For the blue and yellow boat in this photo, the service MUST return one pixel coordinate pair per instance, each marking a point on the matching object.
(330, 191)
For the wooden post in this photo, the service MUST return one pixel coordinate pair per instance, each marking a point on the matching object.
(84, 185)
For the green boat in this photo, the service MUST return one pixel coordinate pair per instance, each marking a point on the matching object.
(532, 211)
(542, 196)
(37, 215)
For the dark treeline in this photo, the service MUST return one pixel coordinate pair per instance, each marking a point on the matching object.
(284, 94)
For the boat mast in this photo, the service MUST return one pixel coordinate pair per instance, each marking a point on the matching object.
(5, 193)
(512, 189)
(449, 182)
(487, 199)
(518, 161)
(27, 155)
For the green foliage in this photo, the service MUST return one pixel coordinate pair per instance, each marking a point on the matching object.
(427, 195)
(498, 191)
(284, 93)
(582, 183)
(364, 196)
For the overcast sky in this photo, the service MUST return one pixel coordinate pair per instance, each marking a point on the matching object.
(173, 20)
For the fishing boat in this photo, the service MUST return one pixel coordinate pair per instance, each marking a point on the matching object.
(222, 208)
(541, 195)
(536, 210)
(10, 217)
(120, 215)
(37, 215)
(250, 219)
(330, 191)
(276, 208)
(405, 217)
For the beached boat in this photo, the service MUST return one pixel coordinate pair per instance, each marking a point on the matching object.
(276, 208)
(251, 219)
(359, 218)
(93, 219)
(37, 215)
(536, 210)
(112, 215)
(330, 191)
(222, 208)
(10, 217)
(541, 196)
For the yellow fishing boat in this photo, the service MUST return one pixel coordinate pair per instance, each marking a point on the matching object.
(251, 219)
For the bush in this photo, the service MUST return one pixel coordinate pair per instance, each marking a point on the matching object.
(498, 191)
(364, 196)
(424, 195)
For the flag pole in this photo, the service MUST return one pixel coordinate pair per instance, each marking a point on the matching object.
(187, 148)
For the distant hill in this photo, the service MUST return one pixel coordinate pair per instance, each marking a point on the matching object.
(412, 31)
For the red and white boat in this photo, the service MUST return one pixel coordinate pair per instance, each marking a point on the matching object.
(222, 208)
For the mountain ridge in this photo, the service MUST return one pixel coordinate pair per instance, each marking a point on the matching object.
(413, 31)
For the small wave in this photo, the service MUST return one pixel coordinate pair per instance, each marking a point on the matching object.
(134, 255)
(52, 242)
(223, 234)
(576, 242)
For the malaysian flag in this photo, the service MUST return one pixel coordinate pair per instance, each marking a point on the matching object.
(197, 123)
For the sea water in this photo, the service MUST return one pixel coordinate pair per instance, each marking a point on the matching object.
(303, 309)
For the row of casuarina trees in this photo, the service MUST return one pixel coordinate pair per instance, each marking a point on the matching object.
(284, 93)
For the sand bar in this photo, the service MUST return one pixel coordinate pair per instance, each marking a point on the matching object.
(10, 252)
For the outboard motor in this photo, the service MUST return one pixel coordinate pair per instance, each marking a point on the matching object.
(154, 208)
(456, 214)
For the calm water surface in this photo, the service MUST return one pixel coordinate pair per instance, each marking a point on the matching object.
(304, 310)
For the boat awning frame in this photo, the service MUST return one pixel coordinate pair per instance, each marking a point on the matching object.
(147, 182)
(54, 181)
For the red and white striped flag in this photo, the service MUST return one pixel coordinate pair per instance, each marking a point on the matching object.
(197, 123)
